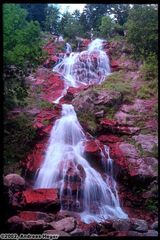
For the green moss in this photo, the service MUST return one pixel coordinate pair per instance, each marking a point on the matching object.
(145, 92)
(45, 105)
(46, 122)
(38, 89)
(154, 152)
(110, 112)
(117, 82)
(152, 205)
(88, 120)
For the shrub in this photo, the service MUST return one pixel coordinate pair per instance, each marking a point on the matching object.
(142, 29)
(18, 138)
(150, 68)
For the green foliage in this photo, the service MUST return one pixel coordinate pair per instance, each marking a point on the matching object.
(14, 94)
(87, 119)
(120, 12)
(22, 49)
(45, 105)
(46, 122)
(150, 68)
(21, 38)
(142, 30)
(36, 12)
(118, 29)
(18, 138)
(52, 18)
(106, 26)
(152, 205)
(150, 89)
(70, 26)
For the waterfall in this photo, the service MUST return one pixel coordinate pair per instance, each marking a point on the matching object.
(87, 67)
(82, 188)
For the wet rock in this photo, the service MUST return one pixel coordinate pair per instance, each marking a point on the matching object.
(39, 198)
(14, 182)
(90, 100)
(77, 232)
(117, 234)
(34, 226)
(121, 225)
(99, 114)
(94, 235)
(147, 141)
(15, 224)
(139, 225)
(18, 225)
(154, 226)
(151, 233)
(13, 185)
(67, 224)
(56, 232)
(134, 234)
(92, 153)
(34, 216)
(72, 92)
(92, 146)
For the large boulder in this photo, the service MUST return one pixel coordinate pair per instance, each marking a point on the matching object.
(91, 99)
(56, 233)
(147, 141)
(121, 225)
(67, 224)
(139, 225)
(41, 198)
(34, 216)
(138, 166)
(18, 225)
(91, 105)
(14, 182)
(13, 185)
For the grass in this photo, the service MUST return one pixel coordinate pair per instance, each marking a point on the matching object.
(86, 118)
(117, 82)
(110, 112)
(147, 91)
(45, 105)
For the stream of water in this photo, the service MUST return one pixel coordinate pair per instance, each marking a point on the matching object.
(82, 188)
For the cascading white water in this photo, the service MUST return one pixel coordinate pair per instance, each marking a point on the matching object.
(92, 196)
(82, 188)
(68, 48)
(87, 67)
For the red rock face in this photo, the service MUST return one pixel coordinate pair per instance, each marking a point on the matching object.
(92, 146)
(114, 127)
(109, 138)
(49, 48)
(40, 196)
(34, 160)
(114, 64)
(28, 215)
